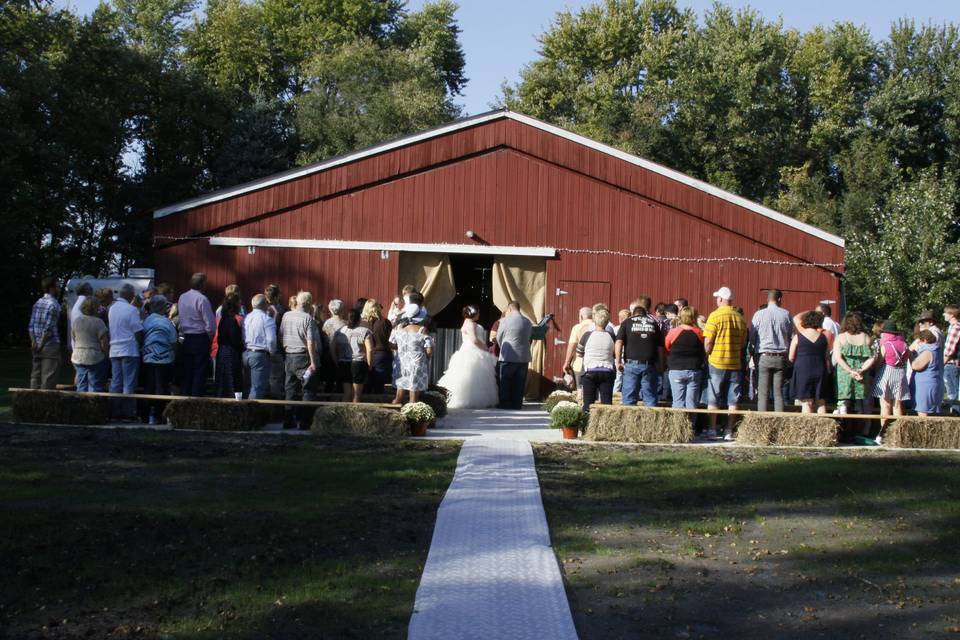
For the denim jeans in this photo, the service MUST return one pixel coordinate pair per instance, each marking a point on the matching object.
(724, 387)
(123, 379)
(257, 364)
(770, 367)
(640, 379)
(90, 377)
(951, 379)
(685, 386)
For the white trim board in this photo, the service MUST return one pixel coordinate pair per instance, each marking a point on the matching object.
(350, 245)
(672, 174)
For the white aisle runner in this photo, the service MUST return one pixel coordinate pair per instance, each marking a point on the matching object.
(491, 572)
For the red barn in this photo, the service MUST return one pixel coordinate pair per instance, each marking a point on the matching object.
(494, 207)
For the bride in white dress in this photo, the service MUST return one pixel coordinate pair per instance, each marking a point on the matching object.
(471, 375)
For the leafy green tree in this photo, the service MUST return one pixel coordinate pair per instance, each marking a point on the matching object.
(910, 259)
(261, 139)
(918, 73)
(361, 94)
(608, 72)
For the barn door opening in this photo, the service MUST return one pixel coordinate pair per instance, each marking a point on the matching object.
(473, 284)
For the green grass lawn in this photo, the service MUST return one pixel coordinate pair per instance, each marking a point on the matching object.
(717, 544)
(212, 535)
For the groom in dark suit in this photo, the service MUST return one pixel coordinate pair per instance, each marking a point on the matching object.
(513, 336)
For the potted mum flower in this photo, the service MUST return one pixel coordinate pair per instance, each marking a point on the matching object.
(419, 416)
(558, 396)
(568, 416)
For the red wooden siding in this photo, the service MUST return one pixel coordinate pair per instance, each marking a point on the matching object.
(512, 184)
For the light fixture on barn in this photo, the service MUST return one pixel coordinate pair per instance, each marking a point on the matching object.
(473, 235)
(252, 249)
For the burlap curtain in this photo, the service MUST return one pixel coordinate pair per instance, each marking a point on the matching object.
(432, 275)
(524, 279)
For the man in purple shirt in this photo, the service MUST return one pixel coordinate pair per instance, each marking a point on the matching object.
(197, 326)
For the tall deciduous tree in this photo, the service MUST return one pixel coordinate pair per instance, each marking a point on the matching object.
(910, 259)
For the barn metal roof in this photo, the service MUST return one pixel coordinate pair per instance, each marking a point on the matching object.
(471, 121)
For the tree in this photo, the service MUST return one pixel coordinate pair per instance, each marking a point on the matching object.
(361, 94)
(608, 72)
(910, 259)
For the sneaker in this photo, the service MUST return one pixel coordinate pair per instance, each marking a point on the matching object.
(728, 437)
(153, 421)
(878, 440)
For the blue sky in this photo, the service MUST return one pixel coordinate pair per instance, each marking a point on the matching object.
(499, 36)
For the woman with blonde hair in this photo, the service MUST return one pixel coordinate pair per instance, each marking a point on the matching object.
(381, 371)
(91, 347)
(685, 359)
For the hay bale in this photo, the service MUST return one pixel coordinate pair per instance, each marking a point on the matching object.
(216, 415)
(923, 433)
(801, 430)
(358, 420)
(47, 407)
(617, 423)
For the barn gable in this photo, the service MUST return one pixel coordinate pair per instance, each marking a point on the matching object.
(222, 212)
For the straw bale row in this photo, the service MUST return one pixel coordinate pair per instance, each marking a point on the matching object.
(617, 423)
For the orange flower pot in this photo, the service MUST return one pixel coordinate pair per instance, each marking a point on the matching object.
(419, 429)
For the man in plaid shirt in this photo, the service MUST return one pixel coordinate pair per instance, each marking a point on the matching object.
(951, 357)
(44, 337)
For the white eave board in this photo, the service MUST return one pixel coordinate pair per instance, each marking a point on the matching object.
(349, 245)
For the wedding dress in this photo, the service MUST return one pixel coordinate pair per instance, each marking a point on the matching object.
(471, 375)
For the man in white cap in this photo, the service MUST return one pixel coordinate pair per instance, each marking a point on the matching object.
(723, 338)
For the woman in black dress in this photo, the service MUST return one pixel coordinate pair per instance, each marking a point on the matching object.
(810, 355)
(229, 366)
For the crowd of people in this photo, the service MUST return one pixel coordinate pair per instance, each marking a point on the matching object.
(666, 352)
(291, 351)
(669, 352)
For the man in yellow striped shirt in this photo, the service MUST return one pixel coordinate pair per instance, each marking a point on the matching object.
(723, 338)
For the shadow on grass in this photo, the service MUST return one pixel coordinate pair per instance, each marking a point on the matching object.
(715, 544)
(203, 536)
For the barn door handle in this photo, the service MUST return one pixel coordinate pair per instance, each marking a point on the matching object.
(561, 292)
(557, 341)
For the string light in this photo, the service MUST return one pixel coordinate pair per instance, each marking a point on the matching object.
(627, 254)
(643, 256)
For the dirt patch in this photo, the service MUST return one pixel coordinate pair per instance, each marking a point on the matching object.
(728, 543)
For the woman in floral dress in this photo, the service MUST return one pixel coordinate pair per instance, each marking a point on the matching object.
(414, 348)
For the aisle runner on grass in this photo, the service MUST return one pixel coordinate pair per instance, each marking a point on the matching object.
(491, 572)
